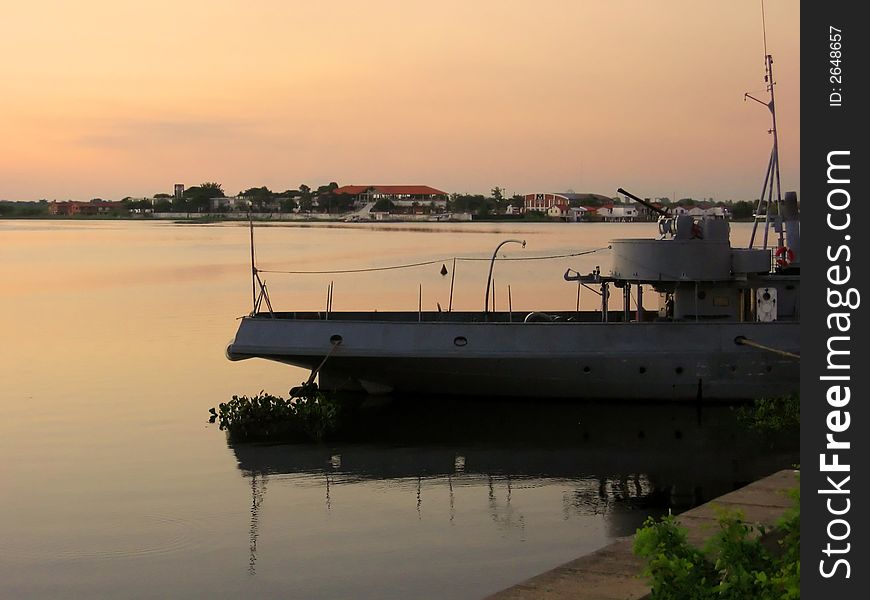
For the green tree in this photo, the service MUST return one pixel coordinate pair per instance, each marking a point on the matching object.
(289, 205)
(593, 202)
(518, 201)
(214, 189)
(163, 205)
(341, 203)
(383, 205)
(258, 196)
(182, 204)
(325, 197)
(10, 208)
(486, 208)
(742, 210)
(196, 199)
(467, 203)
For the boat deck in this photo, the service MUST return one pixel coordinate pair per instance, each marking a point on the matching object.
(552, 316)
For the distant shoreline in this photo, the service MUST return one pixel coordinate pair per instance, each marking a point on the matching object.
(204, 219)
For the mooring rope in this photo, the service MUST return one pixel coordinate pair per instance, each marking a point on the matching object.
(742, 341)
(425, 263)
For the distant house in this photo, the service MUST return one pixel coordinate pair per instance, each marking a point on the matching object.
(615, 212)
(565, 201)
(410, 198)
(575, 213)
(242, 203)
(645, 213)
(713, 212)
(558, 210)
(228, 204)
(71, 207)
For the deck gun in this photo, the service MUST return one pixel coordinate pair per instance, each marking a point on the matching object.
(663, 212)
(666, 223)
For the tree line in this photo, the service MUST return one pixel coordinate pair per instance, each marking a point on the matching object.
(323, 199)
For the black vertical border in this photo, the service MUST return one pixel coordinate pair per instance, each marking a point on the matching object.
(824, 129)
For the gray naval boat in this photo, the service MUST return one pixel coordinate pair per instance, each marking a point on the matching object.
(728, 326)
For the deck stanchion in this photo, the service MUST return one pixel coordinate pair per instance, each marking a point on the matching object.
(626, 302)
(639, 316)
(493, 296)
(452, 279)
(579, 285)
(510, 306)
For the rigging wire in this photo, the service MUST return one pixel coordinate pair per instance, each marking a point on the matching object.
(428, 262)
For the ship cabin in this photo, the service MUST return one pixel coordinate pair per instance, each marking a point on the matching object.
(698, 276)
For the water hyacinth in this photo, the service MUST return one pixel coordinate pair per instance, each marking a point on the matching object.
(308, 415)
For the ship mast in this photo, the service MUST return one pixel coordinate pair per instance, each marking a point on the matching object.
(771, 177)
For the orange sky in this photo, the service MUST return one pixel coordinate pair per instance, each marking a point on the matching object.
(111, 99)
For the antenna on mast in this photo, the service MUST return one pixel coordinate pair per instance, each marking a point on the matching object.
(253, 263)
(771, 177)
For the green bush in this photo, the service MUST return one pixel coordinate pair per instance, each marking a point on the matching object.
(772, 414)
(308, 415)
(738, 562)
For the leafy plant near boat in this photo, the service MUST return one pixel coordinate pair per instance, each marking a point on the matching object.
(770, 415)
(307, 415)
(740, 561)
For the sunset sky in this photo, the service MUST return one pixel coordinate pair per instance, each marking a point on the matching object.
(111, 98)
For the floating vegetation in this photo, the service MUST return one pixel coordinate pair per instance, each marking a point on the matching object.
(308, 415)
(770, 415)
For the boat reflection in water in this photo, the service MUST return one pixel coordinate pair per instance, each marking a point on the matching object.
(508, 466)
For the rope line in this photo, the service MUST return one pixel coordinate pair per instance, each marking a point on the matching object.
(425, 263)
(743, 341)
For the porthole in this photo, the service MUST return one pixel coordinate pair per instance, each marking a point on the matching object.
(460, 341)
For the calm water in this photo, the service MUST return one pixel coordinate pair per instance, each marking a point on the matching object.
(114, 484)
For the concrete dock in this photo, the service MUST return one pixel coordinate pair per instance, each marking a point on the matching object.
(613, 572)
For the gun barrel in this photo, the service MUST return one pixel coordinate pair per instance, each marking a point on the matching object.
(660, 211)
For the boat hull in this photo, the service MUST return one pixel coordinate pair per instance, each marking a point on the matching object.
(627, 360)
